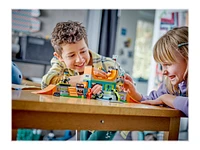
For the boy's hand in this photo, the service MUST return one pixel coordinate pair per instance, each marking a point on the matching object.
(99, 73)
(96, 89)
(75, 79)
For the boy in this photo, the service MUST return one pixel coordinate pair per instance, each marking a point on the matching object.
(70, 43)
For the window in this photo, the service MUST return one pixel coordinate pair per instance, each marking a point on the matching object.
(143, 50)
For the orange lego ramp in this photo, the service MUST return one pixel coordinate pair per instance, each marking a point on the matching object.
(111, 77)
(129, 99)
(49, 90)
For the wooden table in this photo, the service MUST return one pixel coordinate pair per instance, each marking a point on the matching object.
(60, 113)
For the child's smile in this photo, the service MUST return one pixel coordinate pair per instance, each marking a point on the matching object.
(75, 55)
(80, 65)
(175, 71)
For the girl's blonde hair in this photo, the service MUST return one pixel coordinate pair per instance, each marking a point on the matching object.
(174, 41)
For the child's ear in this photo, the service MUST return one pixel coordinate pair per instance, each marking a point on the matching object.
(58, 56)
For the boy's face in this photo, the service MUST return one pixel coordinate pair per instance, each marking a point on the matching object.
(75, 56)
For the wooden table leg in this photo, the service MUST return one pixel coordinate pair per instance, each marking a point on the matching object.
(166, 135)
(14, 134)
(173, 132)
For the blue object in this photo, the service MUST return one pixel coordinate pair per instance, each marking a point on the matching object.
(123, 31)
(66, 136)
(51, 136)
(28, 135)
(16, 74)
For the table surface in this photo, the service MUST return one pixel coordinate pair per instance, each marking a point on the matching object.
(26, 100)
(51, 112)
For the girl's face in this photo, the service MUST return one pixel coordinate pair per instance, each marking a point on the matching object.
(175, 71)
(75, 56)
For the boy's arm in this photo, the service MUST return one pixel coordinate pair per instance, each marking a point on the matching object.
(75, 79)
(55, 72)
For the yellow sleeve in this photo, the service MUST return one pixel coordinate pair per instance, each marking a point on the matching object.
(56, 70)
(56, 79)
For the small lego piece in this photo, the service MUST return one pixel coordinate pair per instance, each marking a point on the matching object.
(56, 94)
(116, 94)
(89, 94)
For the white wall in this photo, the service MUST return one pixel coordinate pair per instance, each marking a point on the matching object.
(50, 17)
(93, 29)
(128, 20)
(90, 18)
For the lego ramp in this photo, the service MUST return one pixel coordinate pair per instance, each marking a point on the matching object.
(129, 99)
(111, 77)
(49, 90)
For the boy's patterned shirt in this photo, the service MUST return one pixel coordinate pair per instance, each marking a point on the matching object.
(57, 67)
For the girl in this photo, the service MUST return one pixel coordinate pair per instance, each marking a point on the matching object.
(171, 51)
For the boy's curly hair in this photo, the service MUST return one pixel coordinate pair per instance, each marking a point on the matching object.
(67, 33)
